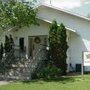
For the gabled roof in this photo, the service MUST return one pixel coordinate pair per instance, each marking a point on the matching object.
(65, 11)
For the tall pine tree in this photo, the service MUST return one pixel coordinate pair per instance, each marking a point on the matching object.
(1, 56)
(58, 46)
(62, 35)
(11, 42)
(12, 49)
(7, 44)
(1, 51)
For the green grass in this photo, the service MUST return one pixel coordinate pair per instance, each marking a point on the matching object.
(65, 83)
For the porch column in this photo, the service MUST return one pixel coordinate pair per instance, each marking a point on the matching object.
(68, 51)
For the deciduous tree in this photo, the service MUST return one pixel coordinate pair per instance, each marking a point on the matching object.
(16, 15)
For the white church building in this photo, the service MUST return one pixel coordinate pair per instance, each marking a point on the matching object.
(78, 33)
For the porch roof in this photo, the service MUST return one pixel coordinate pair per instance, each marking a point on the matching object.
(58, 24)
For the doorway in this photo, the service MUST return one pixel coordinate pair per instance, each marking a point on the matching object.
(36, 45)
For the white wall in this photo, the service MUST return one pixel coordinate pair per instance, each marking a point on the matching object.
(2, 35)
(80, 41)
(32, 31)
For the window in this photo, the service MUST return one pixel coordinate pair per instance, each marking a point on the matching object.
(21, 44)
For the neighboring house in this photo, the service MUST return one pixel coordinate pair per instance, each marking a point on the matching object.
(78, 32)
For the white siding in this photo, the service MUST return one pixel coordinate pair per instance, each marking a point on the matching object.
(79, 41)
(43, 29)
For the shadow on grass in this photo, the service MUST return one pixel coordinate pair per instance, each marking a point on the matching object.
(62, 80)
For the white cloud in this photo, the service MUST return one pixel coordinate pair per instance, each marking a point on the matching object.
(68, 4)
(88, 2)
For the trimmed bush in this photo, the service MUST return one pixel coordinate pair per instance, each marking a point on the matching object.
(49, 72)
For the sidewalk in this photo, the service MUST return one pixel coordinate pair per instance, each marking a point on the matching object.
(3, 82)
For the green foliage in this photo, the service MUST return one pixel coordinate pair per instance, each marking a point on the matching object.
(13, 61)
(53, 33)
(9, 58)
(7, 44)
(1, 52)
(16, 14)
(9, 53)
(62, 83)
(49, 72)
(1, 56)
(11, 42)
(58, 46)
(56, 64)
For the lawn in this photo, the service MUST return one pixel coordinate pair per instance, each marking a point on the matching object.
(65, 83)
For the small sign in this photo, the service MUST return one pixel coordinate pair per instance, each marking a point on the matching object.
(86, 61)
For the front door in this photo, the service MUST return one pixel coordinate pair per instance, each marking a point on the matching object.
(36, 45)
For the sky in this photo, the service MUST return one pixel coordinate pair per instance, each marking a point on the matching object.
(81, 7)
